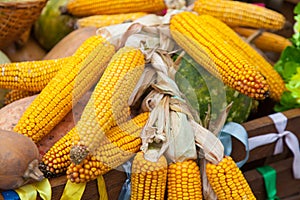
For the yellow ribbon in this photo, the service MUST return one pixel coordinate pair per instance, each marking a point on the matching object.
(29, 191)
(73, 191)
(102, 188)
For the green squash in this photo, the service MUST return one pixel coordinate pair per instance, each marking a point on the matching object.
(51, 25)
(202, 89)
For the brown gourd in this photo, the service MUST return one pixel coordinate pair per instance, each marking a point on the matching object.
(19, 158)
(70, 43)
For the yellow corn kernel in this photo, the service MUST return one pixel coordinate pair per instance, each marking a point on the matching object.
(119, 145)
(236, 13)
(225, 33)
(121, 140)
(86, 171)
(227, 180)
(57, 159)
(184, 181)
(99, 21)
(65, 89)
(218, 57)
(148, 179)
(30, 75)
(15, 95)
(83, 8)
(108, 105)
(267, 41)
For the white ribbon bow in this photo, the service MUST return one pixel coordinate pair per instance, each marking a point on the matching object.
(290, 139)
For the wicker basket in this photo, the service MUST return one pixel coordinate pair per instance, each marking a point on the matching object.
(16, 17)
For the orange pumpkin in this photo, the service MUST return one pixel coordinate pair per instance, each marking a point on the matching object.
(18, 160)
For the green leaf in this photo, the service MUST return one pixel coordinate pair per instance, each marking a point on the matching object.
(296, 38)
(289, 69)
(287, 99)
(287, 102)
(288, 63)
(294, 85)
(297, 9)
(288, 66)
(290, 53)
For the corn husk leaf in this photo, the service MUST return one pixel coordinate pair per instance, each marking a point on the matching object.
(211, 146)
(141, 88)
(208, 192)
(166, 130)
(181, 133)
(175, 4)
(154, 134)
(214, 128)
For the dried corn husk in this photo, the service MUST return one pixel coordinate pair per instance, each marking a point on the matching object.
(169, 130)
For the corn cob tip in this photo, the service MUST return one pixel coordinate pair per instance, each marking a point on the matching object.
(228, 181)
(148, 179)
(47, 172)
(78, 153)
(89, 169)
(266, 94)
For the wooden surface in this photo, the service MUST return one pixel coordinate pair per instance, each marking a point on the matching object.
(287, 186)
(261, 126)
(293, 197)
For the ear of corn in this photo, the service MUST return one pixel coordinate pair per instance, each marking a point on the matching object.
(122, 139)
(184, 181)
(236, 13)
(219, 58)
(57, 159)
(86, 171)
(30, 75)
(15, 95)
(148, 179)
(267, 41)
(225, 33)
(82, 8)
(65, 89)
(119, 145)
(106, 20)
(108, 105)
(227, 180)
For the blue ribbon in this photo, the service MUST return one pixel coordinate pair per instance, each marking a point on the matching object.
(239, 132)
(126, 188)
(10, 195)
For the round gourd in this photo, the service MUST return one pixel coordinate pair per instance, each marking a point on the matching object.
(203, 90)
(30, 51)
(70, 43)
(18, 160)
